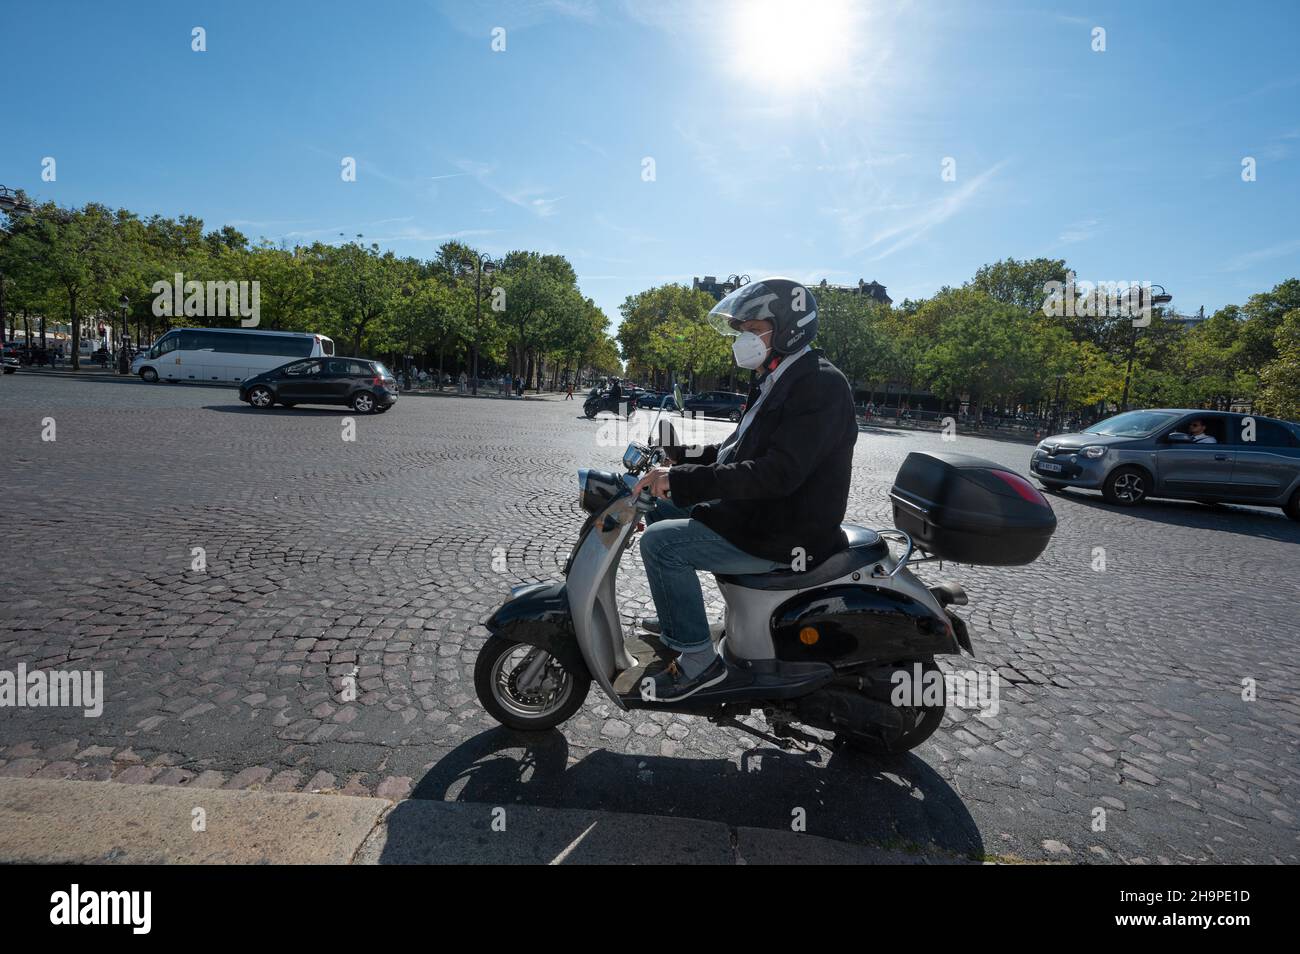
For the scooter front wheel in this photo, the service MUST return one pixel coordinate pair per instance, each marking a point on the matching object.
(525, 687)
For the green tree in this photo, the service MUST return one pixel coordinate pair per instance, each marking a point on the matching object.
(1279, 394)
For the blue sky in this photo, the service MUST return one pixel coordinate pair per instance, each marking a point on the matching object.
(800, 138)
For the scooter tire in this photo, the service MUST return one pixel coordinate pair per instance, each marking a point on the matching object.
(928, 718)
(484, 666)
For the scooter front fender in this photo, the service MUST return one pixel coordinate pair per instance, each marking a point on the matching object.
(539, 615)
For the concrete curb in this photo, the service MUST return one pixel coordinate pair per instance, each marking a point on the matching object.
(73, 822)
(66, 822)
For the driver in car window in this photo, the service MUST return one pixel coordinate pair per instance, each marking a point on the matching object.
(1196, 430)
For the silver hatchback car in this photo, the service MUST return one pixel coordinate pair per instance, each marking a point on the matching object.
(1210, 456)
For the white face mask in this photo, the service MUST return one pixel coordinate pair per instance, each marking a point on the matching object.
(749, 350)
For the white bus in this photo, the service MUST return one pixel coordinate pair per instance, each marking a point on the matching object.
(224, 355)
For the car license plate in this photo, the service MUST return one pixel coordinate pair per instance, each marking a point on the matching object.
(1049, 467)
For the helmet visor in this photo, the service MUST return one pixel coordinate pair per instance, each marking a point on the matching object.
(747, 303)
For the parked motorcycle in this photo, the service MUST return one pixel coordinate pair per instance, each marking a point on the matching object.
(825, 648)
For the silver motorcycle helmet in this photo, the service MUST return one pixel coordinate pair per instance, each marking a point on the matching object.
(788, 304)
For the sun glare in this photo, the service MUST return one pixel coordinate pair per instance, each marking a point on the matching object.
(792, 44)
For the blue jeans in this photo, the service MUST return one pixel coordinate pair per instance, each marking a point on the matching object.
(673, 548)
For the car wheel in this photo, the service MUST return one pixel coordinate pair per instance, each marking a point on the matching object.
(363, 402)
(1292, 507)
(1126, 486)
(261, 398)
(733, 417)
(149, 375)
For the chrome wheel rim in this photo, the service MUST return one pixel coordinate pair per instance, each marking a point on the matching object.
(363, 403)
(260, 397)
(547, 693)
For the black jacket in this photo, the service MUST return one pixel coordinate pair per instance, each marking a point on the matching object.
(787, 483)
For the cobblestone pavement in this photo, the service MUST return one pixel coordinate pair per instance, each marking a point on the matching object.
(1121, 691)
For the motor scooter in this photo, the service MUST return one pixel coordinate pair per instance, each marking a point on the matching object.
(599, 401)
(844, 647)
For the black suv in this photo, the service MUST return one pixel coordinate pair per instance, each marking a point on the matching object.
(716, 404)
(363, 385)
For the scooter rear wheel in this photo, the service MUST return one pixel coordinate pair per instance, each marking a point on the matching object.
(918, 724)
(554, 694)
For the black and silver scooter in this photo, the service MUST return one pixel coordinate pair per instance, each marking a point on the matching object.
(823, 648)
(599, 401)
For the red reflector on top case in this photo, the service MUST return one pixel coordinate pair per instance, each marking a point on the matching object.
(1021, 486)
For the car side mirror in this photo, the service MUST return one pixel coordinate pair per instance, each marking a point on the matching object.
(1178, 437)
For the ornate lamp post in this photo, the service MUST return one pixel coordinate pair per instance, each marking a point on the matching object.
(1153, 298)
(123, 339)
(483, 266)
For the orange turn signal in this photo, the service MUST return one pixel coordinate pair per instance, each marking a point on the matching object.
(808, 636)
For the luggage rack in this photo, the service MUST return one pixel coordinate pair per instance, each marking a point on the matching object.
(902, 536)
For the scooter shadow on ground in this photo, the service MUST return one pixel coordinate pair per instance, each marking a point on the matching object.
(898, 803)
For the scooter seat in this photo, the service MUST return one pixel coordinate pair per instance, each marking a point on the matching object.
(862, 547)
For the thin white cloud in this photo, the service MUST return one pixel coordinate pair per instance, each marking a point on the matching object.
(535, 200)
(910, 231)
(1247, 260)
(1079, 231)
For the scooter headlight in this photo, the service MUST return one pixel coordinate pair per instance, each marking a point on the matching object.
(596, 488)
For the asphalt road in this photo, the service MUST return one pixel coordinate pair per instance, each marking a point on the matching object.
(1120, 690)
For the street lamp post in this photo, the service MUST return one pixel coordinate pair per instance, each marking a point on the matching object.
(408, 292)
(484, 264)
(123, 358)
(1161, 298)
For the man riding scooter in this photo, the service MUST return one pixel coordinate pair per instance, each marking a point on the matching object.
(771, 495)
